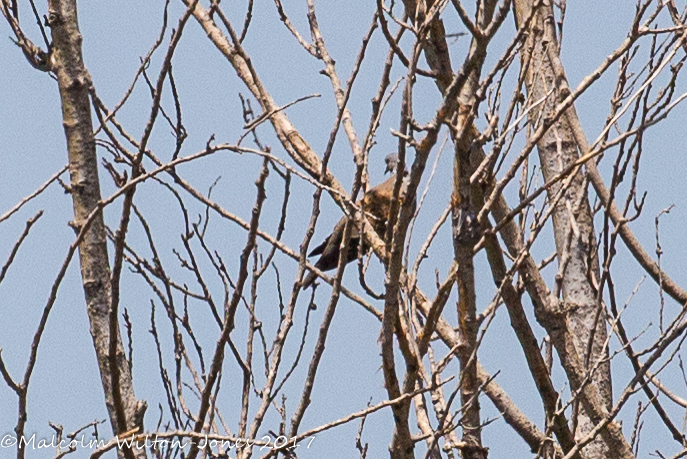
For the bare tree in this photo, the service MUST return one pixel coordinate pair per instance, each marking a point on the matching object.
(238, 359)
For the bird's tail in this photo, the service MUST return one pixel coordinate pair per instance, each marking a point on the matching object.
(308, 281)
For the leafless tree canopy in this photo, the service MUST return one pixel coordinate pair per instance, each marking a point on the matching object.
(200, 244)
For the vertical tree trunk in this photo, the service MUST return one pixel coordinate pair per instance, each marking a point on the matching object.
(572, 219)
(466, 232)
(74, 83)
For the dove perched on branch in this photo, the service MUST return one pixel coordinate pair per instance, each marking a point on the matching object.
(375, 204)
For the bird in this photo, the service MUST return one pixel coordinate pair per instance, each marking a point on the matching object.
(376, 203)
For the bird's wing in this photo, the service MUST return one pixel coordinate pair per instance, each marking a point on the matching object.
(320, 248)
(377, 202)
(334, 238)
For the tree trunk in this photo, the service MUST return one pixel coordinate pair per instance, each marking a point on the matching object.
(124, 410)
(572, 220)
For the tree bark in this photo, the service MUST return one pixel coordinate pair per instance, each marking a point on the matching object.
(572, 219)
(124, 410)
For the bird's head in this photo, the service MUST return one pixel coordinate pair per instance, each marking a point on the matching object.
(391, 161)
